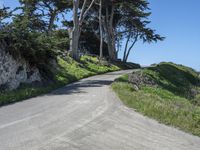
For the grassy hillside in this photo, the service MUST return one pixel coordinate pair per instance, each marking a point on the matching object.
(66, 71)
(166, 92)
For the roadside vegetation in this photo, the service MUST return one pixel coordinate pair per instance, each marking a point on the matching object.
(166, 92)
(46, 34)
(66, 71)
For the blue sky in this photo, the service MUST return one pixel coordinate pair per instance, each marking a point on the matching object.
(178, 21)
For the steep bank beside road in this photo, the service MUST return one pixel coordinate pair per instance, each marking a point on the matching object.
(14, 71)
(167, 92)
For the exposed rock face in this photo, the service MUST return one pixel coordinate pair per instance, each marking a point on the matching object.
(138, 79)
(13, 72)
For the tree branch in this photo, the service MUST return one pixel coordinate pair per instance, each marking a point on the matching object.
(86, 11)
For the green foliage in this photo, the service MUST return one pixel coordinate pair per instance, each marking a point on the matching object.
(123, 78)
(167, 103)
(161, 105)
(4, 13)
(94, 65)
(127, 65)
(26, 34)
(176, 78)
(35, 47)
(88, 66)
(24, 92)
(196, 100)
(66, 72)
(34, 24)
(61, 40)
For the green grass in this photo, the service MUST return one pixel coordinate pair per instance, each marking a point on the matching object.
(24, 93)
(66, 72)
(71, 70)
(166, 103)
(176, 78)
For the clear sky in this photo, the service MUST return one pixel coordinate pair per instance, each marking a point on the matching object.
(179, 22)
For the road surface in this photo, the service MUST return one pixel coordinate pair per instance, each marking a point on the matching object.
(85, 115)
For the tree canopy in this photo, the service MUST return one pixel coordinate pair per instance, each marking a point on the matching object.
(48, 27)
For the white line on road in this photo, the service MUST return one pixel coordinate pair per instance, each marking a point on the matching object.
(18, 121)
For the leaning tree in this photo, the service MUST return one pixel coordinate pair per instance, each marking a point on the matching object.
(80, 12)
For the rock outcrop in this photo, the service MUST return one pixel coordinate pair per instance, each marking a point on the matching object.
(13, 72)
(138, 79)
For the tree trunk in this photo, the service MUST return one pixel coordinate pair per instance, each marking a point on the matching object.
(75, 32)
(108, 39)
(75, 43)
(112, 34)
(101, 29)
(126, 48)
(51, 21)
(78, 18)
(108, 26)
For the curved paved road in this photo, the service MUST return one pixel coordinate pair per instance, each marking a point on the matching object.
(85, 115)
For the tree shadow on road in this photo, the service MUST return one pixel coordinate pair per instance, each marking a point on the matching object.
(80, 87)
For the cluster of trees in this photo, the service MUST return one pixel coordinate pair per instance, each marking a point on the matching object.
(113, 22)
(43, 27)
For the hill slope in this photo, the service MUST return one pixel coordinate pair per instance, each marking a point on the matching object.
(167, 92)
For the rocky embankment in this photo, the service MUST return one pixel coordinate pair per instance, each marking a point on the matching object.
(14, 72)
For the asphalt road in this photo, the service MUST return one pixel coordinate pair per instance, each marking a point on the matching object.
(85, 115)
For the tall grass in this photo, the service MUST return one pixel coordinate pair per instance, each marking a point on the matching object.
(168, 102)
